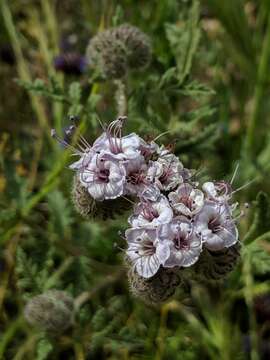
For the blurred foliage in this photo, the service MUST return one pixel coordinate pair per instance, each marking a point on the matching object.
(207, 90)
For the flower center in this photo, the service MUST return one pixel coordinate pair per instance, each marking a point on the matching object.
(181, 241)
(166, 173)
(103, 175)
(136, 178)
(147, 248)
(214, 224)
(149, 213)
(187, 201)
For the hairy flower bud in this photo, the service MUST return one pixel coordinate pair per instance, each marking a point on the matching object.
(156, 289)
(89, 208)
(114, 51)
(52, 311)
(137, 45)
(216, 265)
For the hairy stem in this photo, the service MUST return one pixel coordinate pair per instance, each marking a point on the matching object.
(121, 98)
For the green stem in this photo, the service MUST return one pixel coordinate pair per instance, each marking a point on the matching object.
(8, 335)
(22, 67)
(58, 273)
(248, 293)
(263, 69)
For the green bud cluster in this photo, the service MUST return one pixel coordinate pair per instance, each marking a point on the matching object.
(114, 51)
(51, 311)
(216, 265)
(156, 289)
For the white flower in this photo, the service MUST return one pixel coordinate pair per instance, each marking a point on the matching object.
(185, 246)
(217, 191)
(215, 225)
(83, 161)
(136, 175)
(103, 177)
(186, 200)
(152, 213)
(145, 251)
(148, 149)
(168, 172)
(120, 147)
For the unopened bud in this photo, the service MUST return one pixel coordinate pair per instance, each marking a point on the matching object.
(156, 289)
(89, 208)
(116, 50)
(51, 311)
(216, 265)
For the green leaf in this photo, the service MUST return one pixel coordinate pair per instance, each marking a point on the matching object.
(195, 89)
(60, 213)
(259, 258)
(27, 273)
(184, 39)
(204, 139)
(44, 348)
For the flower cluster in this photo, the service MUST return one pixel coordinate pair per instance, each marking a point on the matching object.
(174, 218)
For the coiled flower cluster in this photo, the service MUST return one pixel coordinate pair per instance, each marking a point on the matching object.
(174, 218)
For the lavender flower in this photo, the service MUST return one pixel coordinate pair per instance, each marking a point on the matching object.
(113, 142)
(186, 200)
(185, 245)
(168, 170)
(218, 191)
(103, 177)
(136, 179)
(145, 252)
(152, 213)
(216, 226)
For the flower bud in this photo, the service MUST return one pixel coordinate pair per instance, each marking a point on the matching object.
(156, 289)
(137, 44)
(216, 265)
(114, 51)
(52, 311)
(89, 208)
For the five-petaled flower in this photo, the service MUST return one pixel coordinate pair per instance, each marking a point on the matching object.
(185, 245)
(216, 226)
(145, 252)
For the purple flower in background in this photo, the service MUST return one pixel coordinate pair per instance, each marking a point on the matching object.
(70, 63)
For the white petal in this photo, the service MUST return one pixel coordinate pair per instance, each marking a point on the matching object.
(147, 266)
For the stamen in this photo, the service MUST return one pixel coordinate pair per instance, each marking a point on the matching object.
(244, 186)
(64, 143)
(234, 174)
(162, 134)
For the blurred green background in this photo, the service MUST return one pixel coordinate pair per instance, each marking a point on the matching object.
(208, 87)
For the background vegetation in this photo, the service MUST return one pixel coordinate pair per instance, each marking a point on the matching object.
(208, 86)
